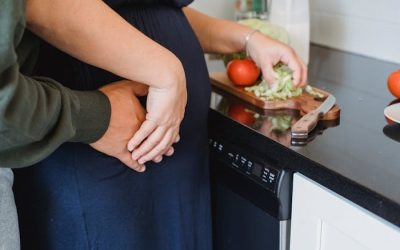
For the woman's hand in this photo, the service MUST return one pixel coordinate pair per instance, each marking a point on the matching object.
(165, 111)
(225, 37)
(267, 52)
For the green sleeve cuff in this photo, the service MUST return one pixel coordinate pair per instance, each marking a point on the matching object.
(93, 116)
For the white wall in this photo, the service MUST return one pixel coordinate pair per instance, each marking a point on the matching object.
(216, 8)
(366, 27)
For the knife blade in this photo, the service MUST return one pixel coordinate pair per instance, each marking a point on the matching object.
(307, 123)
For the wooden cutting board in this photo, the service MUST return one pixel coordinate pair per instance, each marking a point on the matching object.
(304, 103)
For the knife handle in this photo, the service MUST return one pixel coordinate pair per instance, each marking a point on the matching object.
(306, 124)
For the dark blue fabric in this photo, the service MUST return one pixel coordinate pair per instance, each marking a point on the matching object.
(176, 3)
(79, 198)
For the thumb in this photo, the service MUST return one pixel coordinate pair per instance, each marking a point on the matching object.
(269, 74)
(128, 161)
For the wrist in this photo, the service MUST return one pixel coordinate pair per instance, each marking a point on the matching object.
(247, 40)
(241, 38)
(93, 117)
(171, 75)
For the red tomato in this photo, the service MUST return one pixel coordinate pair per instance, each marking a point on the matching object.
(239, 113)
(243, 72)
(393, 83)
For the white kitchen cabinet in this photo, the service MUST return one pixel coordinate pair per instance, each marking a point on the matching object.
(324, 220)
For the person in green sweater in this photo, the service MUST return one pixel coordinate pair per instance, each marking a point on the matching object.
(38, 114)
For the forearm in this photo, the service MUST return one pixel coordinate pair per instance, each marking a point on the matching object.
(37, 115)
(216, 35)
(92, 32)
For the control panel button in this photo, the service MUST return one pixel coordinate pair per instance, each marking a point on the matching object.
(269, 177)
(243, 160)
(260, 173)
(257, 169)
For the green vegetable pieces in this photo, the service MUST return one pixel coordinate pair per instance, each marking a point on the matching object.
(282, 89)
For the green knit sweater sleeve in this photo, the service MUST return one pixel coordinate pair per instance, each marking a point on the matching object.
(38, 114)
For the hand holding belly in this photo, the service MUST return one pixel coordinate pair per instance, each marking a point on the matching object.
(127, 114)
(165, 110)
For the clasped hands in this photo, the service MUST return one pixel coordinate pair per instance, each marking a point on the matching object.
(135, 136)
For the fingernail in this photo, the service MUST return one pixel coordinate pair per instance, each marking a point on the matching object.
(141, 161)
(135, 157)
(143, 168)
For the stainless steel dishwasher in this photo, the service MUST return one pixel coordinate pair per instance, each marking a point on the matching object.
(251, 193)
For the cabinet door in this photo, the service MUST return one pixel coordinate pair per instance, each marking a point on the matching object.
(324, 220)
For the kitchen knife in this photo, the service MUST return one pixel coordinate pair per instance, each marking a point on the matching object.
(307, 123)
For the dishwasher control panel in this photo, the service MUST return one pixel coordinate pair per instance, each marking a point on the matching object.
(256, 169)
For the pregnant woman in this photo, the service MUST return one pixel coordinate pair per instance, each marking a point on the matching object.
(78, 198)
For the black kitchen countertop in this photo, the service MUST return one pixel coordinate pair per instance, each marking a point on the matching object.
(358, 156)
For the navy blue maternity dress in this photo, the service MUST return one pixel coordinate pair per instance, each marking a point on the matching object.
(79, 198)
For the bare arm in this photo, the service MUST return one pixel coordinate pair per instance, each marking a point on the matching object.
(217, 35)
(221, 36)
(92, 32)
